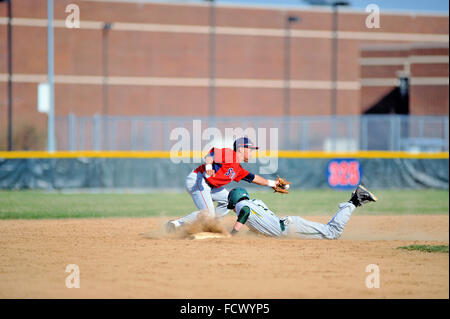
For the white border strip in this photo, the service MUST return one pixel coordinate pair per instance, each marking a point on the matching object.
(415, 59)
(147, 27)
(413, 81)
(183, 82)
(230, 83)
(428, 59)
(429, 81)
(379, 82)
(383, 61)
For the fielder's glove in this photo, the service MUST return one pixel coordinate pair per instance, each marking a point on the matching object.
(281, 186)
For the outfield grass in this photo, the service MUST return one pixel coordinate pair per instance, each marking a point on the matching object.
(39, 205)
(427, 248)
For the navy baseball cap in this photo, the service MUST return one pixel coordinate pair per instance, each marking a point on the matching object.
(244, 142)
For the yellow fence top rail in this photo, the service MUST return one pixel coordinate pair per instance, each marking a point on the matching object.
(190, 154)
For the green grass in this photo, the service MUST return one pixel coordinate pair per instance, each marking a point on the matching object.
(38, 205)
(427, 248)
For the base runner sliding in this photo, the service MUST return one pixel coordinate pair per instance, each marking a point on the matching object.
(206, 183)
(260, 219)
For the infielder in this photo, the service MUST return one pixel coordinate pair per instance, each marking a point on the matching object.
(260, 219)
(206, 183)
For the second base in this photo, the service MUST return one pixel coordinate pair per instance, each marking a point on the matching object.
(208, 235)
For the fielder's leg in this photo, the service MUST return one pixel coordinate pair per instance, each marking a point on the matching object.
(220, 195)
(201, 195)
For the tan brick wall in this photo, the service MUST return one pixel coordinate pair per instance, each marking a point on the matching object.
(386, 71)
(423, 63)
(429, 100)
(426, 70)
(185, 55)
(384, 53)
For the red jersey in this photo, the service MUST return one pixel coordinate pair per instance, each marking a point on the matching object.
(227, 168)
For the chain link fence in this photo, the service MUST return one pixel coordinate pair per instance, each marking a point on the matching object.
(324, 133)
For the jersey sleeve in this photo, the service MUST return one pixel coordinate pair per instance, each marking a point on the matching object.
(243, 214)
(249, 178)
(244, 174)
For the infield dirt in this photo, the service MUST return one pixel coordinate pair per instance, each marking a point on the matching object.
(133, 258)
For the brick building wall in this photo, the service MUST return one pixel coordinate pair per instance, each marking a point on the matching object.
(425, 65)
(159, 59)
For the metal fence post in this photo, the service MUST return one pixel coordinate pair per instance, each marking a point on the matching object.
(81, 143)
(105, 133)
(349, 121)
(72, 132)
(148, 132)
(446, 133)
(398, 135)
(133, 134)
(284, 124)
(166, 134)
(112, 142)
(305, 137)
(421, 126)
(334, 132)
(96, 132)
(363, 133)
(392, 131)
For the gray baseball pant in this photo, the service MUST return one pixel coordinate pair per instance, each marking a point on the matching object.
(204, 197)
(303, 228)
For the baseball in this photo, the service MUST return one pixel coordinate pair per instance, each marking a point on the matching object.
(287, 186)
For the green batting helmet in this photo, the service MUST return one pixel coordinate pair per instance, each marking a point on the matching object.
(235, 195)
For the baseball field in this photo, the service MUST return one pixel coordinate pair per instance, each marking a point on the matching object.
(119, 244)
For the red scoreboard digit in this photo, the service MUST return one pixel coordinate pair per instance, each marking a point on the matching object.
(343, 173)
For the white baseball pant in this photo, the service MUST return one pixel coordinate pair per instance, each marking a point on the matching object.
(204, 197)
(303, 228)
